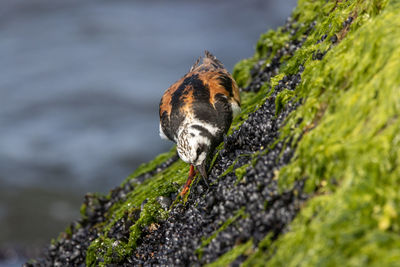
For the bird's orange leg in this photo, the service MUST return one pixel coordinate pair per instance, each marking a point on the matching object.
(192, 174)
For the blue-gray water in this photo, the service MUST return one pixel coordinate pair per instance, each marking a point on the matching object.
(80, 83)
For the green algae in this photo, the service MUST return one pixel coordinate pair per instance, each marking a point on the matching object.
(240, 172)
(270, 42)
(241, 72)
(349, 152)
(355, 145)
(281, 99)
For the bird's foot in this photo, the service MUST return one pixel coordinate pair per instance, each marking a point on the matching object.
(192, 174)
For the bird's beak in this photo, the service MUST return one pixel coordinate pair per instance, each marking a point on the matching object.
(202, 170)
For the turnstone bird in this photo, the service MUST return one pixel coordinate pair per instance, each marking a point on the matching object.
(196, 112)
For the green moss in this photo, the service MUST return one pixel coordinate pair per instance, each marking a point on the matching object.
(281, 100)
(241, 72)
(152, 212)
(275, 80)
(354, 75)
(269, 43)
(240, 172)
(349, 152)
(103, 249)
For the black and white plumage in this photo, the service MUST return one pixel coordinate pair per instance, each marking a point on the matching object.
(196, 111)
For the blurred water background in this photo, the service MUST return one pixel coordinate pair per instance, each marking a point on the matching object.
(80, 83)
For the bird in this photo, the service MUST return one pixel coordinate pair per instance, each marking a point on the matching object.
(197, 111)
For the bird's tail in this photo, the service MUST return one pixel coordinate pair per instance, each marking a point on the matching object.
(208, 59)
(211, 59)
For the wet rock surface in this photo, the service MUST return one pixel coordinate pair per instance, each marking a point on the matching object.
(197, 232)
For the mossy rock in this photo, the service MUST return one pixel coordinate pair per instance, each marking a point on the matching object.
(347, 150)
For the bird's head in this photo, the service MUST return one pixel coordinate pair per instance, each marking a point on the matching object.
(194, 148)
